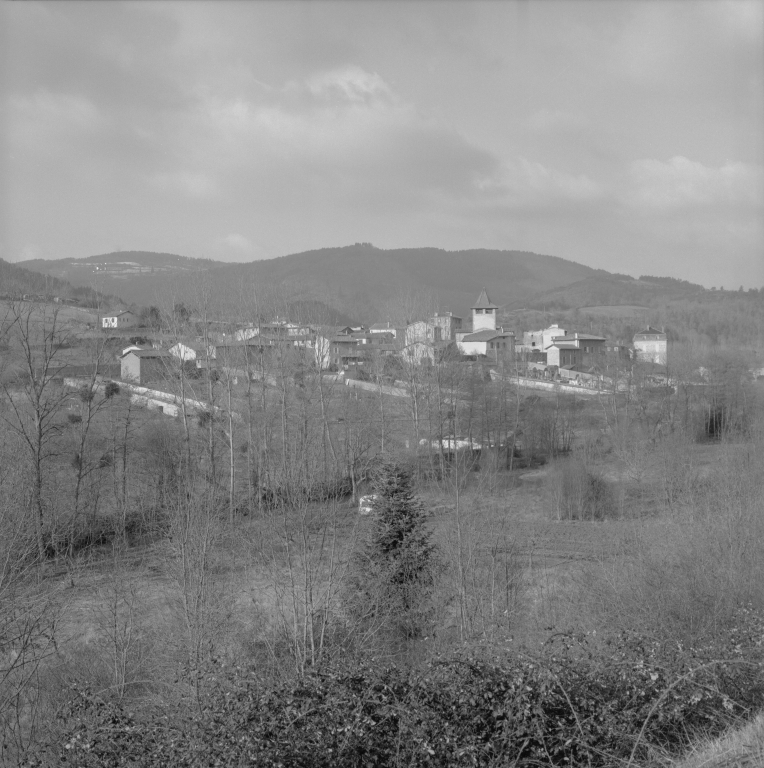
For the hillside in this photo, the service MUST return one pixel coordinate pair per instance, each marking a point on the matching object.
(130, 274)
(358, 280)
(15, 281)
(362, 283)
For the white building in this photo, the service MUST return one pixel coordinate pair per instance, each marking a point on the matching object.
(497, 344)
(484, 313)
(539, 341)
(124, 319)
(184, 352)
(651, 346)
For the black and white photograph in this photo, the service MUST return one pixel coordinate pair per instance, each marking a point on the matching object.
(382, 383)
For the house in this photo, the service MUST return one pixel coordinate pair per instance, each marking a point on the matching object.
(576, 349)
(617, 353)
(185, 352)
(132, 347)
(124, 319)
(145, 365)
(240, 354)
(538, 341)
(448, 323)
(343, 350)
(651, 346)
(561, 354)
(429, 339)
(386, 328)
(281, 329)
(496, 344)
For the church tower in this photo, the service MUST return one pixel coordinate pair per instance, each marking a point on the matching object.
(484, 313)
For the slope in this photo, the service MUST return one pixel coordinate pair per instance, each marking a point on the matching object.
(16, 281)
(359, 280)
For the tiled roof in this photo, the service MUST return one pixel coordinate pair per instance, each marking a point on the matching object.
(149, 353)
(650, 331)
(255, 341)
(484, 302)
(485, 335)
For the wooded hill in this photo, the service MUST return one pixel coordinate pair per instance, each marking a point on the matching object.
(368, 284)
(16, 281)
(359, 280)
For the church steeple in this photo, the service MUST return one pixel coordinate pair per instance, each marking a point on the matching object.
(484, 313)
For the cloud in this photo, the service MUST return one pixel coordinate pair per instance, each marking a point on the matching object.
(238, 242)
(343, 132)
(684, 183)
(194, 185)
(553, 120)
(37, 120)
(350, 83)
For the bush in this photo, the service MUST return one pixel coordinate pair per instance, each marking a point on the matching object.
(685, 575)
(577, 702)
(579, 493)
(111, 389)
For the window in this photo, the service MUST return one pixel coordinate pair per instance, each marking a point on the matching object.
(478, 311)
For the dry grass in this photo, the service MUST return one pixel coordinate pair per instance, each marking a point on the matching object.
(740, 748)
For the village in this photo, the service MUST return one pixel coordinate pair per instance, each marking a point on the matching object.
(359, 353)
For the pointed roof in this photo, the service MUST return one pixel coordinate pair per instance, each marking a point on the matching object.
(650, 331)
(484, 302)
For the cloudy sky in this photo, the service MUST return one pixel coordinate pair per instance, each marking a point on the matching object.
(623, 135)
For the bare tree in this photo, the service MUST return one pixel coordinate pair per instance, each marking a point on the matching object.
(35, 396)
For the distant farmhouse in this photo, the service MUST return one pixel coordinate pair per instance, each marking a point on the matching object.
(428, 339)
(576, 349)
(538, 341)
(651, 346)
(142, 366)
(124, 319)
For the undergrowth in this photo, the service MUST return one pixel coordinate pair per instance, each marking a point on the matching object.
(579, 700)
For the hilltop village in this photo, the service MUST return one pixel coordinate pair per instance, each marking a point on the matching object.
(554, 354)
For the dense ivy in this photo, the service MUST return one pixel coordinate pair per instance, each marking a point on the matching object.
(579, 701)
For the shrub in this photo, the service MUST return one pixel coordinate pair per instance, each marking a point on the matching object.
(111, 389)
(578, 492)
(577, 702)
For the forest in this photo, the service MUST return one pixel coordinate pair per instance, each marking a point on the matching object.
(543, 579)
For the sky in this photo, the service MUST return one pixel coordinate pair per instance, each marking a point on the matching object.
(623, 135)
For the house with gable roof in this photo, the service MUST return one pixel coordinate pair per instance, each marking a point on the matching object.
(126, 319)
(579, 349)
(651, 346)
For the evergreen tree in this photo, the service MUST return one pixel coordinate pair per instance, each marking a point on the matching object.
(392, 580)
(399, 542)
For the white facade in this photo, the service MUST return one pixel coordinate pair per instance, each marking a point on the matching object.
(488, 343)
(183, 352)
(322, 348)
(651, 346)
(484, 313)
(119, 320)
